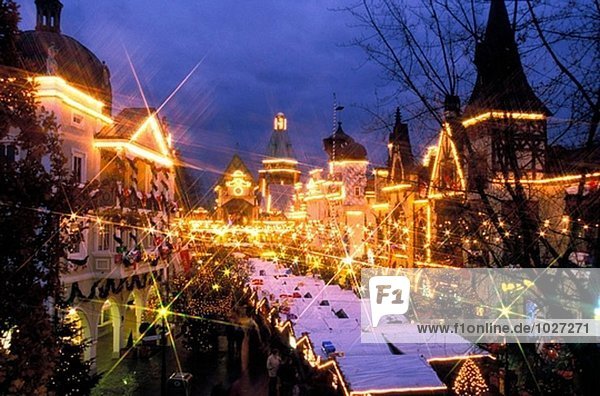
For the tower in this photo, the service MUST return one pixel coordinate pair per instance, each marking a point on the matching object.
(401, 162)
(236, 198)
(504, 119)
(346, 185)
(48, 15)
(280, 169)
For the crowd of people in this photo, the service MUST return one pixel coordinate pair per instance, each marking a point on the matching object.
(266, 366)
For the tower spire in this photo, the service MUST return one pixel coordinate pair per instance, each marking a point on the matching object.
(501, 83)
(400, 158)
(48, 15)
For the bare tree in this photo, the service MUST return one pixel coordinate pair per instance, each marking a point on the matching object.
(426, 49)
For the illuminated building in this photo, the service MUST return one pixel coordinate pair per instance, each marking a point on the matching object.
(340, 195)
(124, 167)
(497, 148)
(237, 201)
(397, 186)
(280, 170)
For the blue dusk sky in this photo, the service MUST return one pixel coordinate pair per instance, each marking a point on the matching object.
(257, 58)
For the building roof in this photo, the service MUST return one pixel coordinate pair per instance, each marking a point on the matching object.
(236, 163)
(341, 147)
(126, 123)
(280, 145)
(401, 161)
(501, 83)
(366, 367)
(572, 161)
(46, 51)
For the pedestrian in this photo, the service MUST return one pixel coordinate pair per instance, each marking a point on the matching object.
(230, 330)
(218, 390)
(273, 363)
(287, 376)
(239, 340)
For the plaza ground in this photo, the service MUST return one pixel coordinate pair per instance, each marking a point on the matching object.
(143, 376)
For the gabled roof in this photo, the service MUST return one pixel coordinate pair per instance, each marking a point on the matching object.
(126, 123)
(501, 83)
(564, 161)
(137, 130)
(236, 164)
(442, 181)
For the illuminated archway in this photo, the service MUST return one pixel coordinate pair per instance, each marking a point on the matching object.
(136, 305)
(110, 320)
(83, 333)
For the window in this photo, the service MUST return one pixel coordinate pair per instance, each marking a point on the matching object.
(102, 264)
(78, 167)
(103, 238)
(8, 152)
(357, 191)
(77, 120)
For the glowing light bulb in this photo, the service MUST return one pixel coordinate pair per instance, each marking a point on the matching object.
(163, 312)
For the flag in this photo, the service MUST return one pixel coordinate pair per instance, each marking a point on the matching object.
(186, 262)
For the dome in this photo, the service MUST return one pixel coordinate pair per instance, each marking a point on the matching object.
(341, 147)
(73, 62)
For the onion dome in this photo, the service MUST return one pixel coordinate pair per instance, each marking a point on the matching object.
(341, 147)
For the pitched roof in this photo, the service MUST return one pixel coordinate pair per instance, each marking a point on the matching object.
(501, 82)
(280, 145)
(401, 161)
(126, 123)
(562, 161)
(137, 127)
(236, 163)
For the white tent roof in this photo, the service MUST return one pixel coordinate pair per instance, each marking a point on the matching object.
(365, 366)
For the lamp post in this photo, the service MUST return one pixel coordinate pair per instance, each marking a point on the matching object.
(163, 350)
(163, 374)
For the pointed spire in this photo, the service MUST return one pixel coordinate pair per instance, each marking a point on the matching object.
(400, 158)
(48, 15)
(501, 83)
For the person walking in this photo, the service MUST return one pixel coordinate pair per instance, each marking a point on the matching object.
(238, 337)
(287, 376)
(273, 363)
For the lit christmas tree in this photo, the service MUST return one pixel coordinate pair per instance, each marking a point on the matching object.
(469, 381)
(208, 299)
(72, 374)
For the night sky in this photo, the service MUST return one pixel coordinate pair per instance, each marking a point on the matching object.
(257, 58)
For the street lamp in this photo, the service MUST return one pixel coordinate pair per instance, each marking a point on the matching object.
(163, 312)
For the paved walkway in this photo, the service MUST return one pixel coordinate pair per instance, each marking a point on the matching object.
(252, 380)
(243, 375)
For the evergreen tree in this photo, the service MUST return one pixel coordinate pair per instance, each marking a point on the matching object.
(28, 240)
(72, 373)
(9, 21)
(469, 381)
(35, 189)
